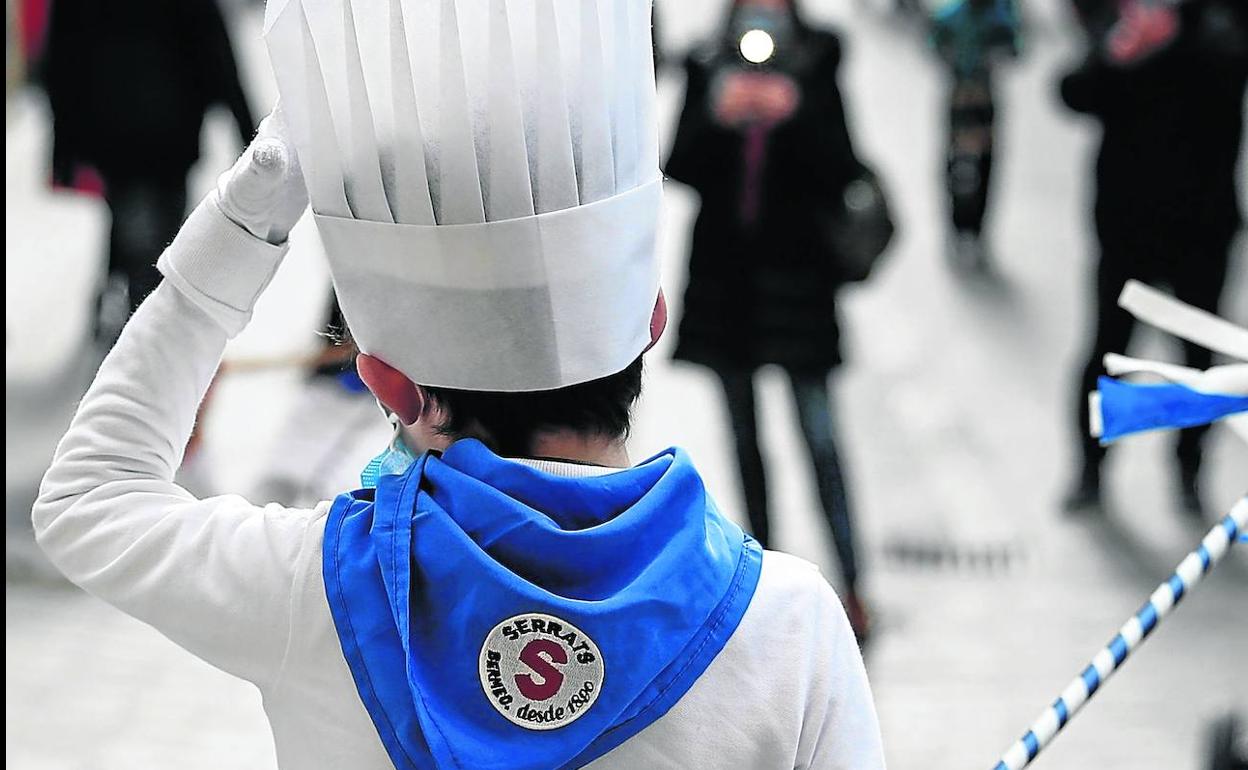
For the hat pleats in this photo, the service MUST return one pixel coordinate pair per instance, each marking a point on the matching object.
(403, 170)
(646, 115)
(595, 159)
(459, 181)
(301, 82)
(624, 100)
(555, 174)
(365, 191)
(507, 190)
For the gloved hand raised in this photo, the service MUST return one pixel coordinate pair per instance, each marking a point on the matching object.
(264, 192)
(231, 245)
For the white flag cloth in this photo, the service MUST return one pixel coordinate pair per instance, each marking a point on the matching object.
(484, 174)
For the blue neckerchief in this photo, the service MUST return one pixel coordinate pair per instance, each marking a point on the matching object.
(422, 571)
(1128, 407)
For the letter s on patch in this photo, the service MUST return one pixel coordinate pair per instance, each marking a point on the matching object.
(552, 678)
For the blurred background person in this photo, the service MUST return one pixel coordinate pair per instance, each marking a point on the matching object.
(762, 139)
(305, 464)
(129, 83)
(1167, 83)
(26, 33)
(971, 37)
(305, 459)
(14, 64)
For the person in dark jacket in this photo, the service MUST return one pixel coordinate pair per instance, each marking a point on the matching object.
(971, 36)
(1166, 208)
(129, 82)
(766, 146)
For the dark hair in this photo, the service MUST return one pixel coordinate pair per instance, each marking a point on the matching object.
(508, 422)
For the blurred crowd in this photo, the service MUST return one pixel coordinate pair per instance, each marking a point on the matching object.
(763, 140)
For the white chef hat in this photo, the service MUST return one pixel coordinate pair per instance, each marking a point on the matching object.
(484, 175)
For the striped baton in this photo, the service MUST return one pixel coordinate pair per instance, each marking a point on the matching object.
(1190, 571)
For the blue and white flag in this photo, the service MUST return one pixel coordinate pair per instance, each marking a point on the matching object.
(1122, 408)
(1184, 397)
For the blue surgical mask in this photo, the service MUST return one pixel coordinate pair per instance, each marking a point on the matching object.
(394, 460)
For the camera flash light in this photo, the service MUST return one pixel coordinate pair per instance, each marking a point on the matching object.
(757, 46)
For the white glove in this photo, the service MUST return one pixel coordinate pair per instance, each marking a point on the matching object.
(264, 192)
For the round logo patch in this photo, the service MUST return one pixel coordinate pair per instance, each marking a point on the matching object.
(540, 672)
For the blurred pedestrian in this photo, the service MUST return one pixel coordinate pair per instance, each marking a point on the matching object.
(971, 37)
(299, 469)
(305, 452)
(129, 82)
(763, 140)
(1166, 211)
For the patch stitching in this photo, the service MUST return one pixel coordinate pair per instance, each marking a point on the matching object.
(540, 672)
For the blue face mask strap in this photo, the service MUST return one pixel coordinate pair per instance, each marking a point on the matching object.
(394, 459)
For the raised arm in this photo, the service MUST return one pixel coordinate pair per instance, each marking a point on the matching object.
(213, 575)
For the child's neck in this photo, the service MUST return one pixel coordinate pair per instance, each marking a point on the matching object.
(581, 448)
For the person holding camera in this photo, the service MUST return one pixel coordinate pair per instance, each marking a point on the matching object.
(763, 141)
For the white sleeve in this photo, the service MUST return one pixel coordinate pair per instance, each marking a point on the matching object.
(841, 730)
(215, 575)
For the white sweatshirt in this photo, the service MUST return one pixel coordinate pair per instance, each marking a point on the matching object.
(240, 585)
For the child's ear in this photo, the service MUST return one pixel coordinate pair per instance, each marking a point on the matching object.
(658, 320)
(392, 388)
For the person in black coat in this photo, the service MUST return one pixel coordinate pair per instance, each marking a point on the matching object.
(129, 83)
(1166, 208)
(766, 147)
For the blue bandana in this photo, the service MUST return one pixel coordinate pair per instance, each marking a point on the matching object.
(497, 616)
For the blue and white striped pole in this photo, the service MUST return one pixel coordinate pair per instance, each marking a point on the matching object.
(1190, 571)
